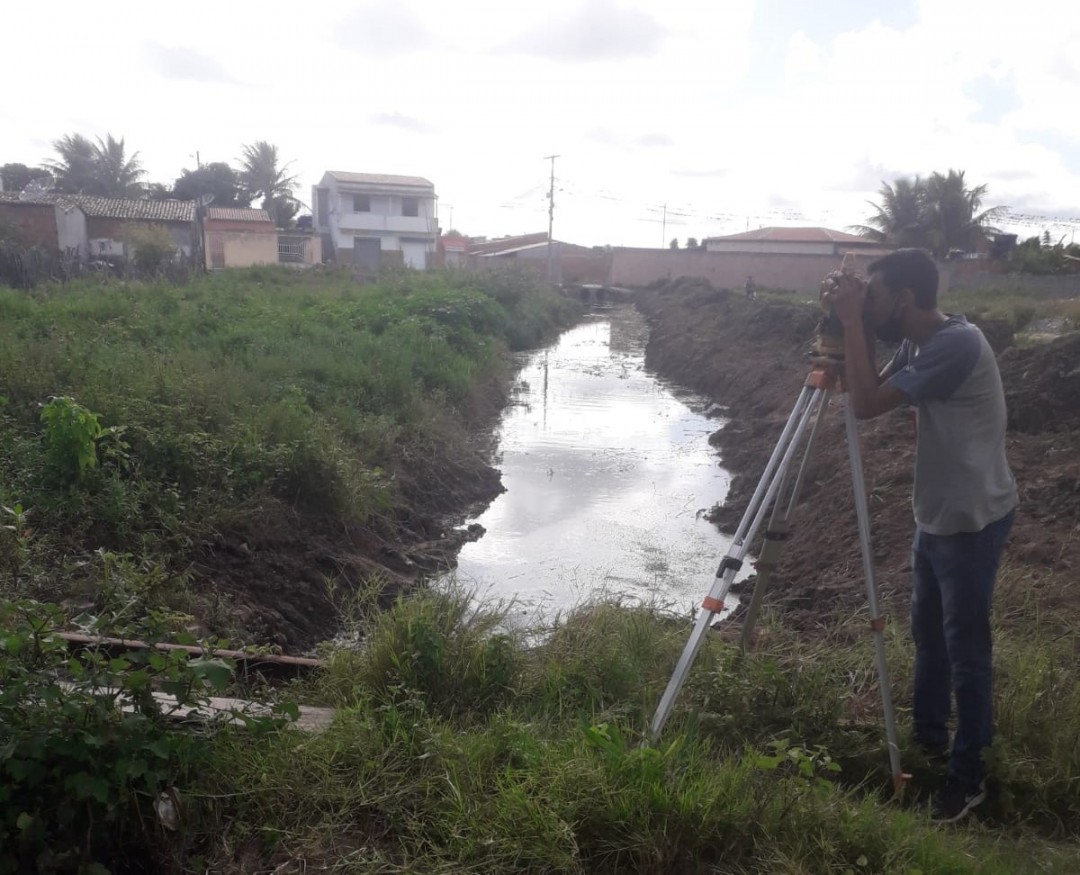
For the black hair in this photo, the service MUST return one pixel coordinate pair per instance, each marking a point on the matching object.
(910, 269)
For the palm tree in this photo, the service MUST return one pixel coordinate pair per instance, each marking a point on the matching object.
(261, 176)
(939, 213)
(115, 174)
(898, 219)
(953, 220)
(100, 168)
(74, 171)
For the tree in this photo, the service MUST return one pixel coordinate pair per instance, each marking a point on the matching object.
(101, 168)
(157, 191)
(216, 179)
(899, 218)
(691, 243)
(16, 177)
(674, 244)
(262, 177)
(953, 219)
(939, 213)
(74, 171)
(115, 174)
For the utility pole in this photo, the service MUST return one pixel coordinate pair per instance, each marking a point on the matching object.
(551, 219)
(663, 229)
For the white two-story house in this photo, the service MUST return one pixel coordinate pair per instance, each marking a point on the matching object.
(368, 218)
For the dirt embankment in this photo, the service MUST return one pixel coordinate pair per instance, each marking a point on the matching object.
(280, 577)
(751, 357)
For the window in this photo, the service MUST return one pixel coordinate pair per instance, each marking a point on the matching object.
(410, 206)
(361, 203)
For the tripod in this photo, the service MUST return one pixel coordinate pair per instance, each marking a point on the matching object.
(773, 490)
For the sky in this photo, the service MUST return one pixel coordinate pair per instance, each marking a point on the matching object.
(670, 118)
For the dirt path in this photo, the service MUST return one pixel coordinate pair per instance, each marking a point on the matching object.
(750, 357)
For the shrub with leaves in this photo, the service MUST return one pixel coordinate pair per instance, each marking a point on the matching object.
(86, 746)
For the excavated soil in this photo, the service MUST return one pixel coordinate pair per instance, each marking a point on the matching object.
(279, 576)
(751, 357)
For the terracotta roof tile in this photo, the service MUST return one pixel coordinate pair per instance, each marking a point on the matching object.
(124, 208)
(112, 207)
(237, 214)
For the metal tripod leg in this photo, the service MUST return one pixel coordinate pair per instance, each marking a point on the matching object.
(809, 406)
(877, 622)
(778, 531)
(806, 407)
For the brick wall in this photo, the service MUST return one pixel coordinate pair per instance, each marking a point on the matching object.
(639, 267)
(34, 224)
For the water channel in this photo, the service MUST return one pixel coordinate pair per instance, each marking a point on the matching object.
(608, 471)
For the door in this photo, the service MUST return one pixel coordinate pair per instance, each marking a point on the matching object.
(415, 254)
(366, 252)
(217, 250)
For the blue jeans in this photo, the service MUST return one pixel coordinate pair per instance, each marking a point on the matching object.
(950, 622)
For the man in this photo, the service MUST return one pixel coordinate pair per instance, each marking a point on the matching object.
(964, 496)
(751, 291)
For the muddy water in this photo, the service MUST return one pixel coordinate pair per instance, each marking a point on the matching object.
(607, 471)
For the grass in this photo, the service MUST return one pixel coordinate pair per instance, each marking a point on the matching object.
(460, 746)
(235, 393)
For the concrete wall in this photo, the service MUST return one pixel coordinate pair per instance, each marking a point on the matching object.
(639, 267)
(108, 237)
(240, 248)
(34, 224)
(385, 219)
(299, 249)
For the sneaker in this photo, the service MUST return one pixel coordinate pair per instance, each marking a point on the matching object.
(956, 801)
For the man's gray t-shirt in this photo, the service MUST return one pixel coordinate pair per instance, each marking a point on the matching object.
(962, 479)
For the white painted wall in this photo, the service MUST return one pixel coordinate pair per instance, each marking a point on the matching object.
(384, 220)
(71, 229)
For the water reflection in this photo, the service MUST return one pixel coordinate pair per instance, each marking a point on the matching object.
(607, 470)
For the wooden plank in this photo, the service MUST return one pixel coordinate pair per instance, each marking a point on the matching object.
(305, 663)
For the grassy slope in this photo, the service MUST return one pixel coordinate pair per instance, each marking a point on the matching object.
(460, 748)
(246, 400)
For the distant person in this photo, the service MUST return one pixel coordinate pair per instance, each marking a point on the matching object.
(964, 498)
(751, 292)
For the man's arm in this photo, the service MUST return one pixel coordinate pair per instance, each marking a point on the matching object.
(869, 398)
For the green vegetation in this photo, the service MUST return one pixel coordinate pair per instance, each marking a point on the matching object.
(143, 418)
(939, 213)
(464, 745)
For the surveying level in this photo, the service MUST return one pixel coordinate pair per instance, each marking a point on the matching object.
(777, 490)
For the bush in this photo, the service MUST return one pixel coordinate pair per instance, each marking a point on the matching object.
(151, 248)
(86, 749)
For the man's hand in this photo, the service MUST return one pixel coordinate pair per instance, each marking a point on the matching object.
(845, 293)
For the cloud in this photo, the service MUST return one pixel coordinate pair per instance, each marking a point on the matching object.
(701, 174)
(383, 30)
(868, 175)
(599, 30)
(995, 99)
(184, 64)
(405, 122)
(654, 140)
